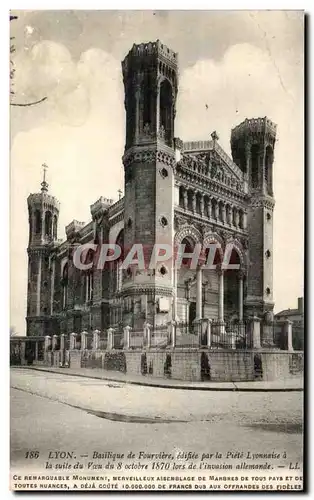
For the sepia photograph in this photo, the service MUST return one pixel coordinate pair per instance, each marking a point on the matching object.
(156, 250)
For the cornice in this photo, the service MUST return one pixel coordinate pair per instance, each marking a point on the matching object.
(195, 180)
(146, 290)
(149, 154)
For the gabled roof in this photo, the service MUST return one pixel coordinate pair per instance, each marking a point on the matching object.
(200, 148)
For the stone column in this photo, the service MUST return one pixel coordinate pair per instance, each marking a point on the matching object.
(237, 217)
(255, 328)
(148, 335)
(197, 327)
(202, 205)
(47, 342)
(216, 214)
(194, 202)
(84, 340)
(96, 337)
(174, 299)
(173, 334)
(36, 350)
(72, 341)
(209, 333)
(126, 332)
(110, 333)
(244, 220)
(62, 342)
(223, 213)
(185, 199)
(228, 214)
(199, 290)
(241, 296)
(209, 208)
(54, 342)
(287, 331)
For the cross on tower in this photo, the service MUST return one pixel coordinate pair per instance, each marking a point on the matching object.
(45, 167)
(44, 184)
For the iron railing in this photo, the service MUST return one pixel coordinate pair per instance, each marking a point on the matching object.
(229, 335)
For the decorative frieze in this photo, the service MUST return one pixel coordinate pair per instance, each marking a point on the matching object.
(149, 155)
(264, 202)
(147, 290)
(195, 179)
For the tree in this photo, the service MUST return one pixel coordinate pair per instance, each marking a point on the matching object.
(12, 71)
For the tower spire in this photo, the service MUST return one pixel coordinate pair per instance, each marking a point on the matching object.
(44, 184)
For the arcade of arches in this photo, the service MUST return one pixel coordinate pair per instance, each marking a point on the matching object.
(215, 294)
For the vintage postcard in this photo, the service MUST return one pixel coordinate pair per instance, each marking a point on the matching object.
(157, 323)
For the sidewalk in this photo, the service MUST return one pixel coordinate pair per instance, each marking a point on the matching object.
(291, 384)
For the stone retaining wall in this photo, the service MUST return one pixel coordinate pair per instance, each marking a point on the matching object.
(193, 365)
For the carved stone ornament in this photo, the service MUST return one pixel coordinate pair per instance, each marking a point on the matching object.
(161, 132)
(146, 129)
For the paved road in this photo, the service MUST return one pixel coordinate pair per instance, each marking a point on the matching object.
(54, 412)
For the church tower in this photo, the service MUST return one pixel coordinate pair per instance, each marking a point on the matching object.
(252, 145)
(43, 212)
(150, 76)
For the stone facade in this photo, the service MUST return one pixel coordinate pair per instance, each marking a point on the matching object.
(174, 193)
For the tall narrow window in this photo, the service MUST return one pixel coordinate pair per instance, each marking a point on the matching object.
(37, 222)
(89, 277)
(48, 223)
(269, 157)
(130, 103)
(181, 196)
(55, 227)
(166, 112)
(89, 286)
(65, 286)
(254, 165)
(147, 103)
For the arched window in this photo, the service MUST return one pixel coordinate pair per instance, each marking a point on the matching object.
(231, 283)
(48, 223)
(166, 112)
(89, 277)
(37, 222)
(214, 208)
(147, 101)
(189, 246)
(241, 219)
(221, 207)
(89, 285)
(130, 104)
(234, 216)
(254, 165)
(181, 196)
(55, 227)
(269, 158)
(65, 274)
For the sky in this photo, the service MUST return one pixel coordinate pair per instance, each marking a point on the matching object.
(241, 64)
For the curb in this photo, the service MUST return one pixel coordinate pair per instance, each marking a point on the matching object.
(169, 386)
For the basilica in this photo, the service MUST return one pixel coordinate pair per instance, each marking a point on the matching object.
(175, 192)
